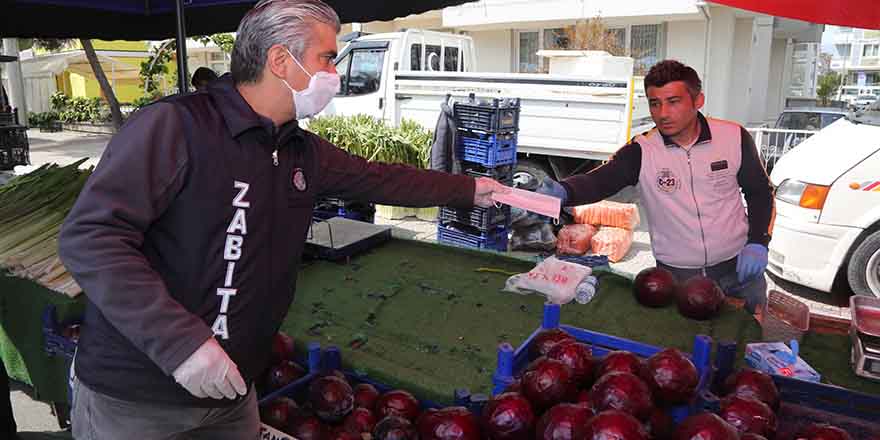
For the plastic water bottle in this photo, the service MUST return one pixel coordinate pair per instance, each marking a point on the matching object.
(585, 292)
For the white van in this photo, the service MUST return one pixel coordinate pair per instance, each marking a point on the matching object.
(828, 207)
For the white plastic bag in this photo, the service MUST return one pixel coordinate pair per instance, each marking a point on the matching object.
(553, 278)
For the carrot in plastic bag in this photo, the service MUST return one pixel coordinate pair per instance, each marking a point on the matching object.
(613, 242)
(607, 213)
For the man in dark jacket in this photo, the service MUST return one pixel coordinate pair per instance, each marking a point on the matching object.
(187, 237)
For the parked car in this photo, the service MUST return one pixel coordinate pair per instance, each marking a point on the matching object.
(863, 101)
(828, 207)
(807, 120)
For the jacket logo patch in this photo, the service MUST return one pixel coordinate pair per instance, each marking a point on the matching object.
(719, 165)
(298, 179)
(667, 181)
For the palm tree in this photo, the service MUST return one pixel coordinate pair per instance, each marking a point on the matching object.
(92, 56)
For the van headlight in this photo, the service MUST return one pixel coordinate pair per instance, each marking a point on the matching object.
(805, 195)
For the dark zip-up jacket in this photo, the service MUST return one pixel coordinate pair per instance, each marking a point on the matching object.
(693, 197)
(192, 226)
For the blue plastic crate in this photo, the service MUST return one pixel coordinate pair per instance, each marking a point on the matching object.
(472, 238)
(512, 361)
(807, 402)
(490, 150)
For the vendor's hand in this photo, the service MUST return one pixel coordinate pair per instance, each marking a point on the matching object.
(752, 261)
(483, 190)
(209, 372)
(553, 188)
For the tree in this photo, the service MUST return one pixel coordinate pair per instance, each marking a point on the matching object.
(592, 34)
(828, 84)
(100, 76)
(156, 65)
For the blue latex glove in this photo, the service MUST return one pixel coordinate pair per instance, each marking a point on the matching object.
(553, 188)
(752, 261)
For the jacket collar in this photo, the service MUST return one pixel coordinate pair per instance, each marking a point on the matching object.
(705, 133)
(241, 118)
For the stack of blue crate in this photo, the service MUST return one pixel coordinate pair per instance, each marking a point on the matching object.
(486, 142)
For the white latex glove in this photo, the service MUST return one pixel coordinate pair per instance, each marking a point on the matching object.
(209, 372)
(483, 190)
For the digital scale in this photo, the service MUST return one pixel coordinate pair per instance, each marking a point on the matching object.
(864, 331)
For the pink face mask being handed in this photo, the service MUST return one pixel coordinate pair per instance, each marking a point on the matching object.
(323, 86)
(530, 201)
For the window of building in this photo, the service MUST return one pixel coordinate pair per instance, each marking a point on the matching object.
(529, 45)
(871, 50)
(642, 42)
(646, 47)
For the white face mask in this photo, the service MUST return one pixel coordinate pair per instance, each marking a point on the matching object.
(323, 86)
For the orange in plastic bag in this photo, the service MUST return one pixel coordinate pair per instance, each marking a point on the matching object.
(574, 239)
(613, 242)
(607, 213)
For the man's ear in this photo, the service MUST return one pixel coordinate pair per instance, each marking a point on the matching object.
(277, 61)
(700, 101)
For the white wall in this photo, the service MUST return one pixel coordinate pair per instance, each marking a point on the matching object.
(717, 82)
(504, 12)
(761, 59)
(686, 42)
(493, 50)
(740, 95)
(39, 89)
(774, 79)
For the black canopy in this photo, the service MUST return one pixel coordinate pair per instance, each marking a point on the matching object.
(162, 19)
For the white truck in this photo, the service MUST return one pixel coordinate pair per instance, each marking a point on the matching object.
(828, 207)
(568, 122)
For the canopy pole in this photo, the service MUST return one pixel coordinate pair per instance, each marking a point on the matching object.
(182, 74)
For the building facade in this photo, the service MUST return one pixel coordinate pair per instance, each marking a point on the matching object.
(856, 56)
(746, 60)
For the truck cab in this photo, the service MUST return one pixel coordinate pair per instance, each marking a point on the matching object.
(828, 207)
(365, 63)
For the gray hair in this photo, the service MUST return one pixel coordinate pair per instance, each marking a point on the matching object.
(270, 22)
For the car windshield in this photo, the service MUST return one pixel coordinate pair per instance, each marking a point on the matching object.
(800, 121)
(828, 118)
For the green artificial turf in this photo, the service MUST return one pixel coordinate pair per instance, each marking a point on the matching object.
(21, 336)
(419, 316)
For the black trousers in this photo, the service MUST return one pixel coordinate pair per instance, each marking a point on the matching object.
(7, 421)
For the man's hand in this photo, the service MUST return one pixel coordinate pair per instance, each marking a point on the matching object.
(483, 190)
(209, 372)
(752, 262)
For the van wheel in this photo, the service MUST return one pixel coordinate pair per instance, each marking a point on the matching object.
(528, 174)
(863, 273)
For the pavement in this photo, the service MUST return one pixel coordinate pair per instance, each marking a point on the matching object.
(66, 147)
